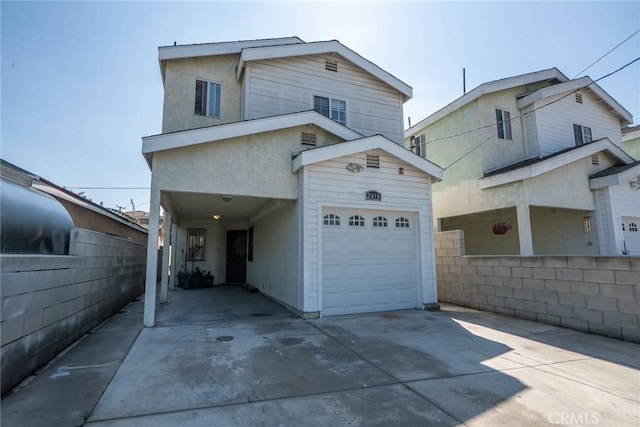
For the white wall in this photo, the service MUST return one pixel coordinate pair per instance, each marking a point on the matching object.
(624, 202)
(286, 85)
(214, 252)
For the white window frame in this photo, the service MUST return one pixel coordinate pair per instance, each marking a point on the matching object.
(205, 99)
(503, 123)
(582, 134)
(420, 144)
(332, 113)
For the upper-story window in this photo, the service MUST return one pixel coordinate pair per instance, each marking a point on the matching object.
(581, 134)
(503, 120)
(335, 109)
(207, 101)
(420, 144)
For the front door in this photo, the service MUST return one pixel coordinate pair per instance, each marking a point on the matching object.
(236, 256)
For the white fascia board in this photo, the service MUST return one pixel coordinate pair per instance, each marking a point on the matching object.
(214, 49)
(485, 89)
(615, 179)
(347, 148)
(574, 85)
(631, 135)
(76, 201)
(168, 141)
(316, 48)
(555, 162)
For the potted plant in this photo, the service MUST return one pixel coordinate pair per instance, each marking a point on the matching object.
(207, 279)
(196, 278)
(184, 279)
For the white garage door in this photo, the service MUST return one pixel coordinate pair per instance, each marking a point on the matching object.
(631, 235)
(369, 261)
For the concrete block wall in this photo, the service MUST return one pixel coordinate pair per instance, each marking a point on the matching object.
(594, 294)
(48, 302)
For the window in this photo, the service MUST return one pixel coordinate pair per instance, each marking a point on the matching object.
(356, 221)
(335, 109)
(633, 226)
(402, 222)
(581, 134)
(420, 144)
(195, 244)
(331, 219)
(503, 120)
(373, 161)
(207, 101)
(379, 221)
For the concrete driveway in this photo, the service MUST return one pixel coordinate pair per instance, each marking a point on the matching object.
(225, 357)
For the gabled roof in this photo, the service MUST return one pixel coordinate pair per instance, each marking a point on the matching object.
(534, 167)
(615, 175)
(347, 148)
(324, 47)
(185, 138)
(573, 85)
(551, 74)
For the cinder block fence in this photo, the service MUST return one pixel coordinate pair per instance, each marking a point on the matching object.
(600, 295)
(49, 301)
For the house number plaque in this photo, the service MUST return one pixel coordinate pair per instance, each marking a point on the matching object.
(373, 195)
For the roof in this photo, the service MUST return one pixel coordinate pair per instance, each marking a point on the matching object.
(531, 168)
(614, 170)
(252, 50)
(347, 148)
(630, 133)
(574, 85)
(185, 138)
(551, 74)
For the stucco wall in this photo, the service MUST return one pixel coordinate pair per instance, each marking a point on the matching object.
(48, 302)
(600, 295)
(180, 89)
(214, 251)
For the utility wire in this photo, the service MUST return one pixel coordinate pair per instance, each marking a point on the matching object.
(520, 115)
(108, 188)
(612, 49)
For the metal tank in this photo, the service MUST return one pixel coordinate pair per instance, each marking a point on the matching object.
(32, 222)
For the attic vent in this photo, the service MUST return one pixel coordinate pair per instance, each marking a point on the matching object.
(595, 160)
(308, 139)
(579, 98)
(330, 65)
(373, 161)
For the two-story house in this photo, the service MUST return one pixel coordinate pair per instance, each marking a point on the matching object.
(534, 164)
(281, 164)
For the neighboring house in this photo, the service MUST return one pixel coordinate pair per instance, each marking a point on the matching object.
(85, 213)
(281, 165)
(142, 218)
(631, 140)
(534, 164)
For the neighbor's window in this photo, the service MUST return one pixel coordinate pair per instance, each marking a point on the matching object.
(195, 244)
(335, 109)
(420, 144)
(503, 120)
(581, 134)
(207, 101)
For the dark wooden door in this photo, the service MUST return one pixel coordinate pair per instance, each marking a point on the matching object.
(236, 256)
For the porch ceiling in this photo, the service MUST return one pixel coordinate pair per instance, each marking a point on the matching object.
(204, 206)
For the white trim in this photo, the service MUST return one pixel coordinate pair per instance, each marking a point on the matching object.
(168, 141)
(573, 85)
(485, 89)
(283, 51)
(224, 48)
(615, 179)
(555, 162)
(631, 135)
(370, 143)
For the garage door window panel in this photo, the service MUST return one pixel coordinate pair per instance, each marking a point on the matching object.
(402, 222)
(380, 221)
(356, 221)
(332, 219)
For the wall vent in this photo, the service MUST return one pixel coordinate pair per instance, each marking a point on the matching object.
(330, 65)
(308, 139)
(579, 98)
(373, 161)
(595, 159)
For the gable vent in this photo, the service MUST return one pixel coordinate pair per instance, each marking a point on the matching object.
(579, 98)
(373, 161)
(330, 65)
(308, 139)
(595, 160)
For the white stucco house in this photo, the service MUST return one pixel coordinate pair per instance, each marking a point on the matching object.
(281, 164)
(534, 164)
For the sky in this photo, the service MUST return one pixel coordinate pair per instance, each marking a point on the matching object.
(80, 82)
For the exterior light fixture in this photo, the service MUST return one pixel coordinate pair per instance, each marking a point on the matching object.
(216, 216)
(587, 224)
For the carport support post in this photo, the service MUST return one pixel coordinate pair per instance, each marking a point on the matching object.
(524, 229)
(174, 258)
(152, 260)
(164, 281)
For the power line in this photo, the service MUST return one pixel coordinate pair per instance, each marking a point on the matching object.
(108, 188)
(612, 49)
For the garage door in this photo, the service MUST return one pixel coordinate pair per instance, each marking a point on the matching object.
(369, 261)
(631, 235)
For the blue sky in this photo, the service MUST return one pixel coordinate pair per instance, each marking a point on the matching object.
(81, 83)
